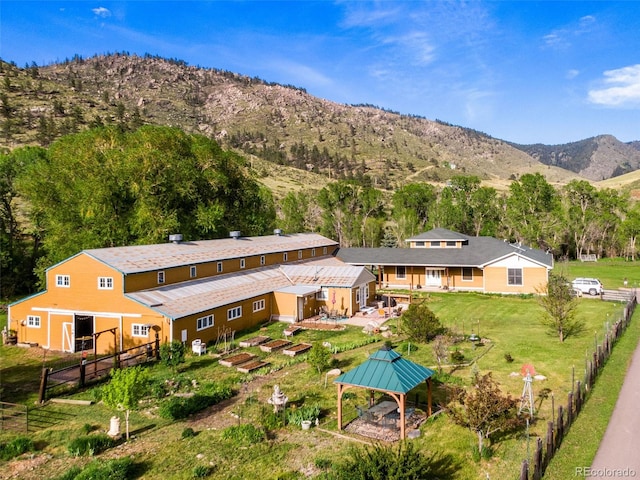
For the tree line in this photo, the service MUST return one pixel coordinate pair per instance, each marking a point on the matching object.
(110, 187)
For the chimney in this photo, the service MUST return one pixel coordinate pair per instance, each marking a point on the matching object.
(235, 234)
(175, 238)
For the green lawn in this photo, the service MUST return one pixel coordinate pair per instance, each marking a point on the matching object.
(510, 325)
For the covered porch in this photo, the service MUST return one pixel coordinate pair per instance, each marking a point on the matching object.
(387, 372)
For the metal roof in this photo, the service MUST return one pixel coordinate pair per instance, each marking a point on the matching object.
(475, 252)
(387, 371)
(195, 296)
(144, 258)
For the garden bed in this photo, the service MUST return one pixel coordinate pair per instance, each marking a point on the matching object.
(274, 345)
(255, 341)
(236, 359)
(251, 366)
(292, 330)
(297, 349)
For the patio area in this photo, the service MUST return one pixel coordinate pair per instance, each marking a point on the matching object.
(386, 427)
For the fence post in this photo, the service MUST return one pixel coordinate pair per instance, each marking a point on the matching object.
(550, 446)
(570, 409)
(560, 426)
(537, 466)
(83, 368)
(43, 384)
(524, 470)
(578, 397)
(157, 341)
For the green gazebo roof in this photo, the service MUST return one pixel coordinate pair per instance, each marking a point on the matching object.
(387, 371)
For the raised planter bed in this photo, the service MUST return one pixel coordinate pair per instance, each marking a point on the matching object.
(291, 331)
(250, 366)
(274, 345)
(296, 349)
(236, 359)
(255, 341)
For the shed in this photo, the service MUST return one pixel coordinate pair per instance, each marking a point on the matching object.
(386, 371)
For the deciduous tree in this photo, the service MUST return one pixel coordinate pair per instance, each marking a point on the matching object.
(125, 390)
(558, 301)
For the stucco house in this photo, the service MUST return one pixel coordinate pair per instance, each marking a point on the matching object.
(187, 290)
(444, 259)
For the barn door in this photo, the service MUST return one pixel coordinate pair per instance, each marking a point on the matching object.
(67, 337)
(83, 330)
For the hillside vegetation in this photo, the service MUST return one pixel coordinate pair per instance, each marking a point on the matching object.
(281, 124)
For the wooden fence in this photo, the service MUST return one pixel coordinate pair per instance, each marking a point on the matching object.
(567, 413)
(91, 369)
(14, 416)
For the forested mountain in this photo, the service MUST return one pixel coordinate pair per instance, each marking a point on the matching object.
(280, 124)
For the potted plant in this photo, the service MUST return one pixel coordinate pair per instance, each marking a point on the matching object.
(10, 337)
(306, 424)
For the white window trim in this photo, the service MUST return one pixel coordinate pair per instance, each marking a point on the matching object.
(323, 294)
(234, 313)
(263, 260)
(404, 274)
(462, 275)
(324, 250)
(313, 252)
(193, 271)
(105, 283)
(242, 263)
(143, 330)
(521, 278)
(299, 254)
(219, 267)
(161, 277)
(205, 322)
(259, 305)
(63, 281)
(33, 321)
(285, 257)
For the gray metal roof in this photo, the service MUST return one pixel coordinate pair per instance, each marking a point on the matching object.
(387, 371)
(195, 296)
(477, 252)
(144, 258)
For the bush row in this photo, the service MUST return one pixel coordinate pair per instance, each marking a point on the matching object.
(176, 408)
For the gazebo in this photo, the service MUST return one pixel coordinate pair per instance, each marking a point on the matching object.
(386, 371)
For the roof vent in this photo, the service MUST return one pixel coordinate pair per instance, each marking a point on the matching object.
(235, 234)
(277, 232)
(176, 238)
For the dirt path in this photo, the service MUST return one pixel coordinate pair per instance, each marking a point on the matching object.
(617, 456)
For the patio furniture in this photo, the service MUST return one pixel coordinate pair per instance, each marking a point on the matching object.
(198, 347)
(383, 408)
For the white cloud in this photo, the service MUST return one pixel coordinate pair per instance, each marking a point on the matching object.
(572, 73)
(101, 12)
(563, 37)
(621, 87)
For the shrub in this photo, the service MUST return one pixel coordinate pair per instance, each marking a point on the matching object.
(244, 434)
(457, 356)
(188, 433)
(322, 463)
(172, 354)
(15, 447)
(307, 412)
(269, 420)
(201, 471)
(420, 323)
(176, 408)
(508, 357)
(118, 469)
(89, 445)
(87, 428)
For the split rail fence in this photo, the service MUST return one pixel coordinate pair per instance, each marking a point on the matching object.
(567, 413)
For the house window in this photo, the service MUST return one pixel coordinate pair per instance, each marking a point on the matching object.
(33, 321)
(262, 260)
(323, 294)
(358, 295)
(435, 244)
(105, 283)
(242, 263)
(401, 273)
(193, 272)
(139, 330)
(451, 243)
(285, 256)
(258, 305)
(467, 274)
(514, 276)
(419, 244)
(204, 322)
(219, 267)
(299, 254)
(366, 290)
(313, 252)
(63, 281)
(324, 250)
(233, 313)
(160, 277)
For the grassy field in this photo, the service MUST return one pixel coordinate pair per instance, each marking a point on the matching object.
(509, 324)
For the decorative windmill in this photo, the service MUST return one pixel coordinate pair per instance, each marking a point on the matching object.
(526, 400)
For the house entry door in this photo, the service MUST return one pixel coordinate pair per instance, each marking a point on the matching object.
(433, 278)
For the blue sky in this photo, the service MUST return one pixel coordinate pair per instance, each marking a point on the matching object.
(529, 72)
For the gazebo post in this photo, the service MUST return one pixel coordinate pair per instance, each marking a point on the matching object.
(339, 407)
(428, 397)
(403, 418)
(372, 399)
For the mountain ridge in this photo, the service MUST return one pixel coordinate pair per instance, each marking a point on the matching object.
(282, 124)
